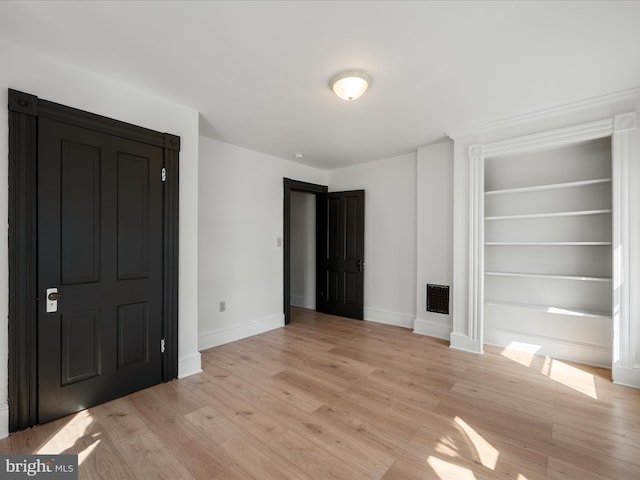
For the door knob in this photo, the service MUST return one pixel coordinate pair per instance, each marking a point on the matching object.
(53, 296)
(52, 300)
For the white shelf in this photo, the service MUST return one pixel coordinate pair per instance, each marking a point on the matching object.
(547, 256)
(550, 215)
(550, 276)
(553, 186)
(549, 309)
(546, 244)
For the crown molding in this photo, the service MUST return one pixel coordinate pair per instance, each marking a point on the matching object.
(568, 108)
(552, 138)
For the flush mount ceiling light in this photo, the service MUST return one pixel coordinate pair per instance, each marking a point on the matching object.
(350, 84)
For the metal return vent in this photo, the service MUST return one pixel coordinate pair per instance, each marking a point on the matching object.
(438, 298)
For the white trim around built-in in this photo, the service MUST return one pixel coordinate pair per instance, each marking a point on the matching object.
(213, 338)
(623, 129)
(562, 349)
(626, 323)
(620, 97)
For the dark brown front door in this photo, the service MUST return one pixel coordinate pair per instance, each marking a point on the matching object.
(341, 261)
(100, 244)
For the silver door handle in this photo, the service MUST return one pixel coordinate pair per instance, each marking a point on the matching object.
(52, 299)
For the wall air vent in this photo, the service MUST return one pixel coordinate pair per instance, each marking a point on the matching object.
(438, 298)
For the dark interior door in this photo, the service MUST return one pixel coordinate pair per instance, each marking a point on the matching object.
(100, 243)
(341, 254)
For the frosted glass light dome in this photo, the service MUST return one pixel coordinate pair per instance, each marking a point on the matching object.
(351, 84)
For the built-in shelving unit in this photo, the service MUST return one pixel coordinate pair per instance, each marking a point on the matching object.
(548, 245)
(551, 276)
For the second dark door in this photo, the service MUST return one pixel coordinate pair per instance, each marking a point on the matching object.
(341, 254)
(100, 244)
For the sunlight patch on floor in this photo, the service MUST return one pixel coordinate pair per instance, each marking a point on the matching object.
(446, 448)
(487, 453)
(449, 471)
(520, 352)
(66, 438)
(570, 376)
(84, 454)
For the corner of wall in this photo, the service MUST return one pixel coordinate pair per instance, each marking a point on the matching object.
(213, 338)
(4, 420)
(189, 365)
(431, 328)
(466, 344)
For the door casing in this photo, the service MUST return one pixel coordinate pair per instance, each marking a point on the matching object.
(321, 193)
(24, 111)
(296, 186)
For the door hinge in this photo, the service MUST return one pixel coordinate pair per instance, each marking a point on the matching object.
(164, 174)
(162, 346)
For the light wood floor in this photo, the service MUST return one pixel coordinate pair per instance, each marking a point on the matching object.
(329, 398)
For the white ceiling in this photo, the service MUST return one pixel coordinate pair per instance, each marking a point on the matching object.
(258, 71)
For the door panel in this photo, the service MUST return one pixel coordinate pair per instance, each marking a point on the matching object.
(341, 259)
(80, 207)
(133, 334)
(133, 216)
(80, 350)
(100, 241)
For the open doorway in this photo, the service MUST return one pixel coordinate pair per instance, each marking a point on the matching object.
(339, 250)
(299, 192)
(303, 250)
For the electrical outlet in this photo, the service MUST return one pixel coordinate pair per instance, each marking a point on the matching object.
(279, 242)
(223, 306)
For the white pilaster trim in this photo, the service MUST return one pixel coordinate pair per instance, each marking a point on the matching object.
(476, 244)
(626, 327)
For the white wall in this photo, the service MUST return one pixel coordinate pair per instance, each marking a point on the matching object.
(303, 250)
(59, 82)
(434, 234)
(390, 235)
(240, 219)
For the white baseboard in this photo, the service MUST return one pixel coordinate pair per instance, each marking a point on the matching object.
(464, 343)
(4, 420)
(213, 338)
(189, 365)
(629, 377)
(586, 353)
(303, 302)
(388, 318)
(432, 329)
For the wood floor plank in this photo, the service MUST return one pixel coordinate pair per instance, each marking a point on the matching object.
(559, 470)
(201, 457)
(334, 398)
(329, 440)
(248, 452)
